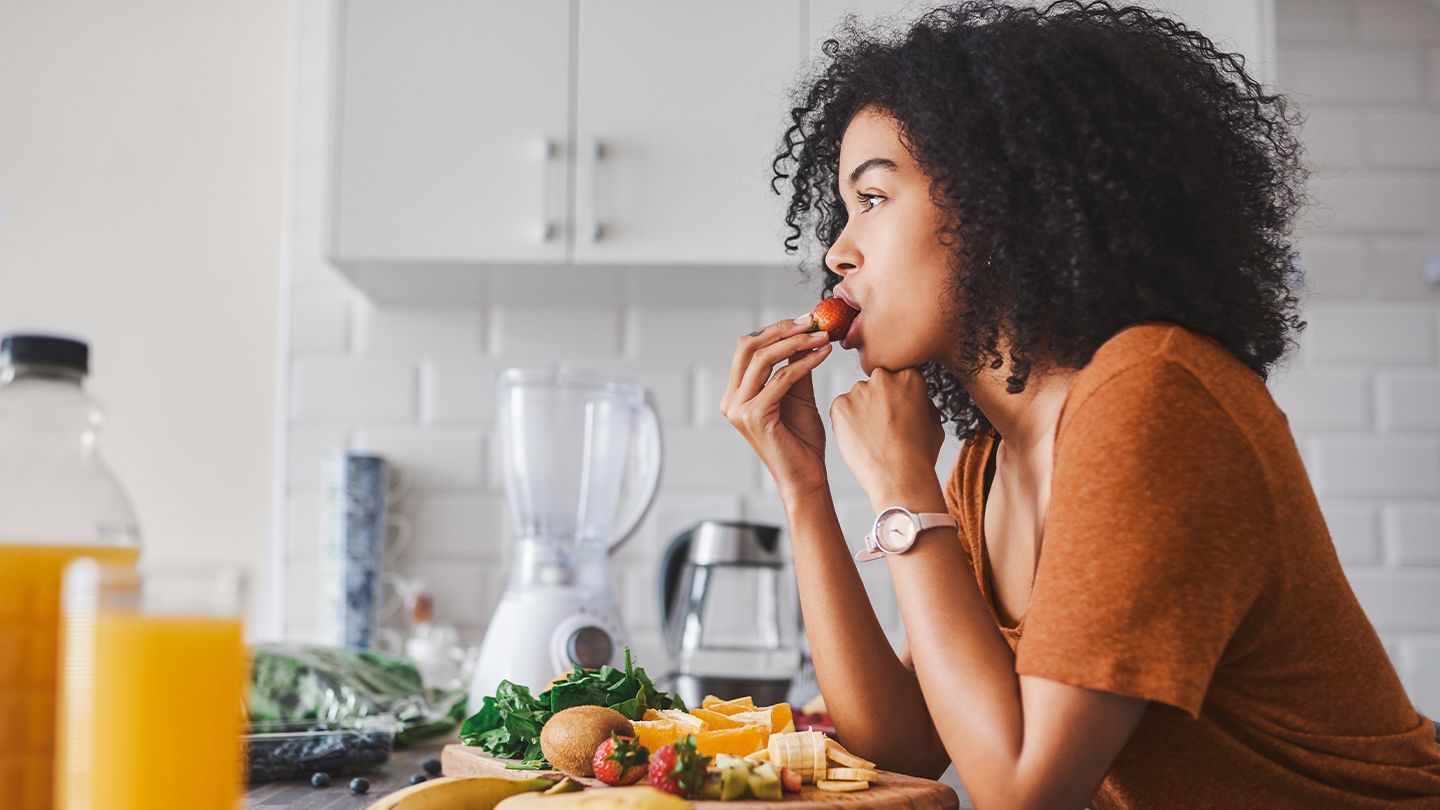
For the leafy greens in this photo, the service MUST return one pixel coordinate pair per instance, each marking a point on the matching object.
(508, 723)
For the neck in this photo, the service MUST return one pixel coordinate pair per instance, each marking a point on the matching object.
(1025, 421)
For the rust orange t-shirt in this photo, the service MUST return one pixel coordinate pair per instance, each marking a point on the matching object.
(1185, 561)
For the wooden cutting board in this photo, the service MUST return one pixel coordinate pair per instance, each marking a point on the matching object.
(894, 791)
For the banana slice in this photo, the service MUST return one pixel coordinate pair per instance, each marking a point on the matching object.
(841, 787)
(852, 775)
(837, 752)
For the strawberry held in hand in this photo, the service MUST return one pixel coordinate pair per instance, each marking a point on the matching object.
(678, 768)
(620, 760)
(832, 316)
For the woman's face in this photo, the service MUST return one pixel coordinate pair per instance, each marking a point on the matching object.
(895, 269)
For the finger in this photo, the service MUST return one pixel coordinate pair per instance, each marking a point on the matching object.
(764, 361)
(789, 375)
(746, 347)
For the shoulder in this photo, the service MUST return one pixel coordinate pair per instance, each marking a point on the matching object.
(1164, 371)
(1160, 401)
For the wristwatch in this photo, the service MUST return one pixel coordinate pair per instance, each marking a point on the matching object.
(896, 529)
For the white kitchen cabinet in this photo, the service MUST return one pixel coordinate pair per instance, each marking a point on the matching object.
(680, 107)
(1243, 26)
(452, 117)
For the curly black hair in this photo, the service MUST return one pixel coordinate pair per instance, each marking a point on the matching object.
(1099, 167)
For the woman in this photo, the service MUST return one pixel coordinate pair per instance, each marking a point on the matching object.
(1069, 229)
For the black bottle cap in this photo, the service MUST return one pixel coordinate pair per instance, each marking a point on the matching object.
(45, 350)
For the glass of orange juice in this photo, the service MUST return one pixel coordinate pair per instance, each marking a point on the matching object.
(152, 688)
(29, 632)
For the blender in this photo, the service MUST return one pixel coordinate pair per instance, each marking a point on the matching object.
(581, 462)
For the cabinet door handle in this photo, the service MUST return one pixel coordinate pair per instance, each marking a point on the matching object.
(597, 154)
(547, 222)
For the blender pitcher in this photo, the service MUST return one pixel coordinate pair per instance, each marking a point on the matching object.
(581, 461)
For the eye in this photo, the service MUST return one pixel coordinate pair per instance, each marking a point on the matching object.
(865, 201)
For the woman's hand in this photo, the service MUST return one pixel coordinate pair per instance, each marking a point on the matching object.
(889, 433)
(776, 412)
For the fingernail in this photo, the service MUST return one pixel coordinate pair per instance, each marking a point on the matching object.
(803, 319)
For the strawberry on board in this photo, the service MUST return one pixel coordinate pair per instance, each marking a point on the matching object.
(832, 316)
(620, 760)
(678, 768)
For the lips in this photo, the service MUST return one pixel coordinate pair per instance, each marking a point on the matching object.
(851, 334)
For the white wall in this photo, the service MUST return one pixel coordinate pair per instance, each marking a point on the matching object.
(1364, 394)
(142, 195)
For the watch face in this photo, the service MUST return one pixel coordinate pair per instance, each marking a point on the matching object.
(895, 532)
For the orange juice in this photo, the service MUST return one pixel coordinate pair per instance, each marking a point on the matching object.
(29, 627)
(167, 703)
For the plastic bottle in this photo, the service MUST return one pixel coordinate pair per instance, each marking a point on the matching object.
(58, 501)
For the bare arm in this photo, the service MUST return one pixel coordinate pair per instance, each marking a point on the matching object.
(1017, 742)
(873, 696)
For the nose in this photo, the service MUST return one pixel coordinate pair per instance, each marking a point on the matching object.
(844, 255)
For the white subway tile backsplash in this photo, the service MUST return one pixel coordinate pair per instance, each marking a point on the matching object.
(1373, 467)
(1370, 333)
(1398, 20)
(1355, 532)
(347, 391)
(1397, 268)
(309, 447)
(1334, 267)
(1432, 62)
(459, 391)
(430, 459)
(320, 322)
(697, 334)
(1420, 669)
(304, 529)
(524, 335)
(708, 461)
(1334, 137)
(1409, 400)
(1412, 532)
(1403, 139)
(450, 525)
(1324, 399)
(409, 332)
(1372, 202)
(1364, 75)
(1398, 601)
(1314, 19)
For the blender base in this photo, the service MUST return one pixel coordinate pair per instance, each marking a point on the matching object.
(529, 640)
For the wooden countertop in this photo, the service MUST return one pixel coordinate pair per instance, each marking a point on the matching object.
(395, 775)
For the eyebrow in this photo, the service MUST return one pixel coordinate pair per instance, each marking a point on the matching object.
(872, 163)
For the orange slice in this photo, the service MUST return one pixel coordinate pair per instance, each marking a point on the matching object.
(716, 720)
(736, 741)
(656, 734)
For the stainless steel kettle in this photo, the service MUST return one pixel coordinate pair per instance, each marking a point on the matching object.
(731, 612)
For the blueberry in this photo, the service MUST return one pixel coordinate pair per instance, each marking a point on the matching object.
(432, 766)
(417, 779)
(358, 785)
(320, 779)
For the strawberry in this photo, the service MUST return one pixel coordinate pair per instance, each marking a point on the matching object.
(790, 780)
(620, 760)
(832, 316)
(678, 768)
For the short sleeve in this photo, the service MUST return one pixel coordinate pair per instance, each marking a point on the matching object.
(1155, 544)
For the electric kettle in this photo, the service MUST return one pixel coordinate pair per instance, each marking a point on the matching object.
(730, 612)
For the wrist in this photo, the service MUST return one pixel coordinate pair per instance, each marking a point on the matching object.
(917, 496)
